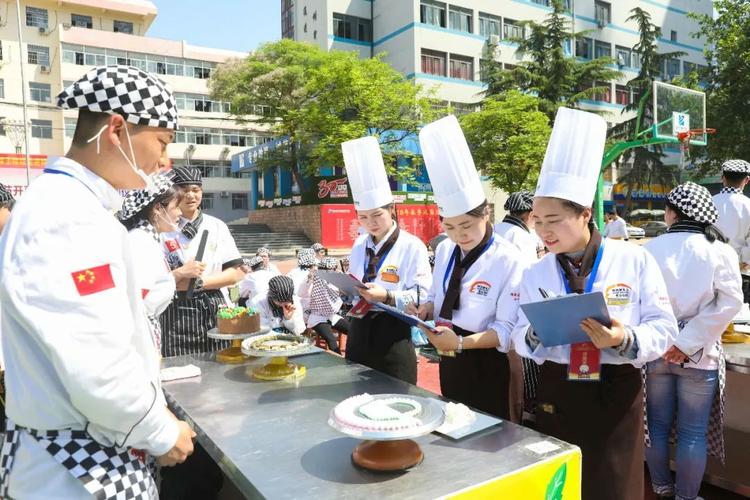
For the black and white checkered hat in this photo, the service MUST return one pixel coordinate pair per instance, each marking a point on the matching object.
(139, 97)
(694, 201)
(263, 251)
(5, 195)
(520, 201)
(254, 262)
(736, 166)
(306, 258)
(317, 247)
(328, 264)
(186, 175)
(138, 199)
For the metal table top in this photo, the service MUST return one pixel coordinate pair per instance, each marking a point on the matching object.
(272, 438)
(738, 357)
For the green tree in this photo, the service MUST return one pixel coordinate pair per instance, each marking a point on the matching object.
(316, 100)
(508, 138)
(556, 78)
(727, 51)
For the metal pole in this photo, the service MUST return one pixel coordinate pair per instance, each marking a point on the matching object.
(23, 95)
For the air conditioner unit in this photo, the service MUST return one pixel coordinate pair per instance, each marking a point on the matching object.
(224, 194)
(44, 69)
(494, 39)
(66, 26)
(43, 30)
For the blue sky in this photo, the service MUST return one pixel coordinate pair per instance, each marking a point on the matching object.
(224, 24)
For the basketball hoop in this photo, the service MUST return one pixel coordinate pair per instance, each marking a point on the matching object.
(685, 137)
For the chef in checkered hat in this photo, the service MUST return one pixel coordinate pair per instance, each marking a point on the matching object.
(6, 205)
(516, 225)
(705, 289)
(265, 254)
(256, 281)
(734, 210)
(82, 370)
(590, 393)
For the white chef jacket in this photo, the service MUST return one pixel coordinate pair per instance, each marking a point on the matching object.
(705, 289)
(734, 222)
(153, 276)
(527, 242)
(406, 265)
(635, 293)
(298, 276)
(295, 325)
(75, 361)
(489, 289)
(313, 319)
(255, 283)
(616, 229)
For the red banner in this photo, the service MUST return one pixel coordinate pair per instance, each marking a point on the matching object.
(420, 220)
(339, 225)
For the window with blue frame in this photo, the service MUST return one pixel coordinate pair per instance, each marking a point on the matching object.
(432, 13)
(623, 56)
(489, 25)
(673, 67)
(584, 48)
(602, 49)
(511, 29)
(352, 27)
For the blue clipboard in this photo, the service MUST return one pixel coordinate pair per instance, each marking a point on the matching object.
(406, 318)
(557, 321)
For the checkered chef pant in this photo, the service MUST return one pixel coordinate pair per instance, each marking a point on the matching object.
(106, 473)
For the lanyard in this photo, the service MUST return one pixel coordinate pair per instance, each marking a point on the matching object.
(592, 276)
(380, 264)
(60, 172)
(453, 260)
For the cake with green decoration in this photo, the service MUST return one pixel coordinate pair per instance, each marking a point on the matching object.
(235, 320)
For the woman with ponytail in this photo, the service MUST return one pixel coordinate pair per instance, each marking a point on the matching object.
(705, 287)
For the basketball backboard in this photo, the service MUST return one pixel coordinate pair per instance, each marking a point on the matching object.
(679, 110)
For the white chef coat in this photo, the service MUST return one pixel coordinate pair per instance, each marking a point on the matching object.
(75, 361)
(313, 319)
(635, 293)
(489, 289)
(406, 265)
(295, 325)
(527, 242)
(255, 283)
(616, 229)
(153, 276)
(705, 289)
(734, 222)
(298, 276)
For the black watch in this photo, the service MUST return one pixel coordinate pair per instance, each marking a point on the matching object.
(198, 285)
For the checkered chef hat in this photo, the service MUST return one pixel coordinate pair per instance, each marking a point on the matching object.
(736, 166)
(328, 263)
(254, 262)
(138, 199)
(306, 258)
(317, 247)
(5, 195)
(520, 201)
(139, 97)
(694, 201)
(262, 251)
(182, 176)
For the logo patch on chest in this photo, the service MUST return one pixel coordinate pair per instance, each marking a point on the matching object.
(389, 274)
(619, 295)
(481, 288)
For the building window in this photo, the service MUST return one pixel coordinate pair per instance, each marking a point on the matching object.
(38, 54)
(80, 21)
(36, 17)
(623, 56)
(462, 67)
(304, 28)
(287, 19)
(433, 62)
(207, 203)
(70, 127)
(673, 36)
(688, 67)
(352, 28)
(41, 129)
(432, 13)
(605, 96)
(1, 51)
(463, 108)
(511, 30)
(2, 88)
(2, 126)
(584, 48)
(602, 49)
(239, 201)
(460, 19)
(489, 24)
(315, 34)
(603, 12)
(40, 92)
(123, 27)
(200, 103)
(622, 95)
(672, 68)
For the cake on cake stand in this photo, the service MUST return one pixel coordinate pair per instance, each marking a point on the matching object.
(388, 423)
(278, 347)
(233, 354)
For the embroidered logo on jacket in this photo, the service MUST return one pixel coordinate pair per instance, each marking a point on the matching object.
(481, 288)
(619, 295)
(93, 280)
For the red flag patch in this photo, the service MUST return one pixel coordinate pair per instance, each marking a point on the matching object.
(93, 280)
(144, 292)
(172, 245)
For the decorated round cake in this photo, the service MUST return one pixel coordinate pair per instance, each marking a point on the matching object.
(235, 320)
(368, 413)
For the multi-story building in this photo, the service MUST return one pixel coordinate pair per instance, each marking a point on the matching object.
(62, 40)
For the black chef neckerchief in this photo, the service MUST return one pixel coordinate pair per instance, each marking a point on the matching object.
(373, 259)
(577, 281)
(191, 228)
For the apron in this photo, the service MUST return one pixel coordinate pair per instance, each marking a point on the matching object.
(382, 342)
(481, 378)
(604, 419)
(185, 322)
(105, 472)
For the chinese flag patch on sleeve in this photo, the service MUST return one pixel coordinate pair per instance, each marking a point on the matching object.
(93, 280)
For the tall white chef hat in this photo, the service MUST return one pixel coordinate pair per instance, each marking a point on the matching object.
(574, 157)
(455, 180)
(366, 173)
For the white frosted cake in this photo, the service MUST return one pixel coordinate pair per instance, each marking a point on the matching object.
(369, 414)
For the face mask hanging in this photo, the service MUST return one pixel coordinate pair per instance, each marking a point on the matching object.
(146, 178)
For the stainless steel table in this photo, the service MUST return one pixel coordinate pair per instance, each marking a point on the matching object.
(272, 438)
(738, 357)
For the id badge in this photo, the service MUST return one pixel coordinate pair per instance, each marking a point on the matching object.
(585, 363)
(360, 309)
(446, 324)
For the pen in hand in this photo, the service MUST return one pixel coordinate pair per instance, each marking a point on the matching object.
(544, 293)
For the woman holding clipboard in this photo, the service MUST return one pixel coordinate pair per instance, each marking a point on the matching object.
(474, 294)
(391, 262)
(591, 394)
